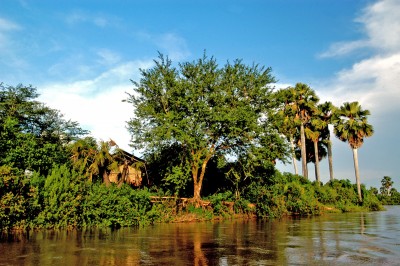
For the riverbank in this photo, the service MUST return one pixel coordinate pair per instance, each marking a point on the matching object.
(65, 199)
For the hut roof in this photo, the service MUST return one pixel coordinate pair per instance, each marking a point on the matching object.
(126, 155)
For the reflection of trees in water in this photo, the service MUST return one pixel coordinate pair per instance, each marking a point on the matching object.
(309, 240)
(335, 238)
(331, 239)
(199, 257)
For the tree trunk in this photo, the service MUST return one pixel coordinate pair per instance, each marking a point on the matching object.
(317, 173)
(293, 157)
(124, 174)
(106, 180)
(330, 160)
(355, 158)
(196, 183)
(196, 194)
(198, 180)
(303, 151)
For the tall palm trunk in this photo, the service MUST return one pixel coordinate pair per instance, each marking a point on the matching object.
(303, 151)
(355, 158)
(317, 174)
(330, 160)
(296, 171)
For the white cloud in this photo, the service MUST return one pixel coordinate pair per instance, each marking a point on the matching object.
(374, 81)
(108, 57)
(343, 48)
(78, 17)
(381, 25)
(169, 44)
(9, 48)
(97, 103)
(7, 25)
(174, 45)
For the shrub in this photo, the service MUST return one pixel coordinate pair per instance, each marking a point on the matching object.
(116, 207)
(217, 203)
(63, 194)
(17, 199)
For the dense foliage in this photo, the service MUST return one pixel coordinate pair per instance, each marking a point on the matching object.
(205, 109)
(63, 199)
(209, 129)
(32, 135)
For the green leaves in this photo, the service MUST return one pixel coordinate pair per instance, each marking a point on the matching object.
(17, 203)
(32, 135)
(351, 124)
(205, 108)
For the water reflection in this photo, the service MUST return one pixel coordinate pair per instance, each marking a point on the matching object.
(337, 239)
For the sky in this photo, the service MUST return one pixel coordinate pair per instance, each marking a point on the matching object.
(82, 56)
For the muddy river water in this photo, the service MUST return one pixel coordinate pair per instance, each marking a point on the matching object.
(371, 238)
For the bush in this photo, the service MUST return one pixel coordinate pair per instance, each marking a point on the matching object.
(63, 194)
(301, 199)
(217, 203)
(116, 207)
(243, 206)
(17, 199)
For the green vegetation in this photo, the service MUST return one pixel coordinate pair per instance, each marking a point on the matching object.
(352, 126)
(388, 195)
(212, 136)
(208, 111)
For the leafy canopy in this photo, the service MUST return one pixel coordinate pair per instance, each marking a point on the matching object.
(32, 135)
(200, 106)
(351, 124)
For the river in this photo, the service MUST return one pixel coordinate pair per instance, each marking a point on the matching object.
(371, 238)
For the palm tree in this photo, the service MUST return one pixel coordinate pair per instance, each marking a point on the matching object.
(92, 159)
(285, 124)
(318, 130)
(312, 132)
(351, 126)
(296, 106)
(103, 162)
(312, 156)
(303, 102)
(83, 152)
(386, 185)
(327, 110)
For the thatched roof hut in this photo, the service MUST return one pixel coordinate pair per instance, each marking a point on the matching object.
(128, 170)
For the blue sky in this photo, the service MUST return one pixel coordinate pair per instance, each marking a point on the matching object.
(81, 55)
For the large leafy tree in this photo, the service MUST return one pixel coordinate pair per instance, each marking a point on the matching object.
(32, 135)
(205, 109)
(351, 126)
